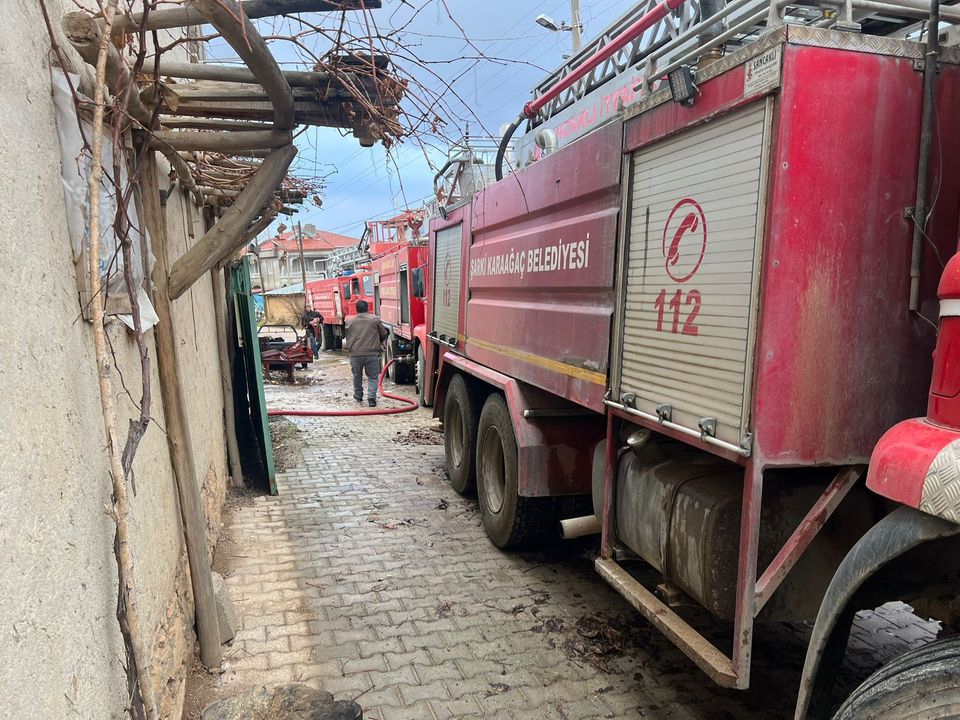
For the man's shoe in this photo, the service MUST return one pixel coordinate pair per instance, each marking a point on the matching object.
(359, 400)
(372, 402)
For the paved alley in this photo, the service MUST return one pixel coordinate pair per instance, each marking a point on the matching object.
(369, 577)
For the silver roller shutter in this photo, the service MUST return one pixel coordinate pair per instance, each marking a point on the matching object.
(446, 282)
(692, 259)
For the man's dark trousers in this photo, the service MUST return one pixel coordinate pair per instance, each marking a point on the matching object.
(369, 364)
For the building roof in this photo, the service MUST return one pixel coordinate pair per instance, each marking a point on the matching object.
(316, 241)
(296, 289)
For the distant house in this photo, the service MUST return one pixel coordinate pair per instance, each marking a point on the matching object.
(275, 262)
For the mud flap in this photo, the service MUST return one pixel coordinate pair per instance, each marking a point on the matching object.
(897, 533)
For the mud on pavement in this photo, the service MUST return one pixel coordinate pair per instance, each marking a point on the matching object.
(369, 577)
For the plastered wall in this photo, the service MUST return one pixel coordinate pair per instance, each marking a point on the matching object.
(60, 646)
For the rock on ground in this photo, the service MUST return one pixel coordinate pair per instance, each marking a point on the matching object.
(291, 701)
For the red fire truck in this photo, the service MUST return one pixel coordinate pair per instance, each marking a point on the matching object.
(711, 310)
(336, 299)
(399, 260)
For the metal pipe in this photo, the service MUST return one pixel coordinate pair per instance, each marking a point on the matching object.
(923, 162)
(924, 6)
(720, 39)
(709, 440)
(906, 8)
(446, 166)
(571, 528)
(644, 23)
(708, 10)
(504, 144)
(693, 31)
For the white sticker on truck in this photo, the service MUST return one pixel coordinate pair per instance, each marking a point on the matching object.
(762, 73)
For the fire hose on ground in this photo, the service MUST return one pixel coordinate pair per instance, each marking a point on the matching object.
(410, 404)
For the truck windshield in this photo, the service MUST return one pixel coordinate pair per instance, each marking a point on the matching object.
(368, 285)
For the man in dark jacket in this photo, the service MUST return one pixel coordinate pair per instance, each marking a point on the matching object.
(312, 322)
(364, 340)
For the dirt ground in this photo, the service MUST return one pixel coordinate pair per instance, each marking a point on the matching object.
(369, 577)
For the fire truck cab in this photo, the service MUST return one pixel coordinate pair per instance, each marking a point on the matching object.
(336, 300)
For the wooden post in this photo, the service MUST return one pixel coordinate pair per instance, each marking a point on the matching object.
(178, 431)
(303, 265)
(226, 377)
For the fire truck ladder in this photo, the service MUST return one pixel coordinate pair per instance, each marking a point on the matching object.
(655, 38)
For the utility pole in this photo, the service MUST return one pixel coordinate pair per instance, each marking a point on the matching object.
(575, 24)
(303, 265)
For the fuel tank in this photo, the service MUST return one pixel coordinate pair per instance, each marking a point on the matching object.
(678, 508)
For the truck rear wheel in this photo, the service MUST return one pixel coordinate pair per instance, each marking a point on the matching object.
(421, 377)
(923, 684)
(511, 521)
(328, 341)
(387, 357)
(460, 435)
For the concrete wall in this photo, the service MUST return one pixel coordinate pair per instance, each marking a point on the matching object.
(61, 654)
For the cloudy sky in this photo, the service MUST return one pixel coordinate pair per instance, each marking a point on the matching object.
(489, 89)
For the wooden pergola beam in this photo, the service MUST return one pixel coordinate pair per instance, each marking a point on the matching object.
(220, 92)
(198, 123)
(312, 113)
(253, 9)
(237, 74)
(228, 17)
(258, 227)
(227, 236)
(225, 142)
(84, 34)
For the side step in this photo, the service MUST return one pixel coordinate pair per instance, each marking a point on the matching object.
(696, 647)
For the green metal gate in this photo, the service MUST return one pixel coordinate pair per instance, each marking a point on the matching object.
(250, 348)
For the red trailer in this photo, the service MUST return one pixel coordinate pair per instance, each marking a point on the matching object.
(336, 299)
(704, 314)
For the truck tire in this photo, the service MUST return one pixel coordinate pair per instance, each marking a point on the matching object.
(511, 521)
(387, 357)
(923, 683)
(328, 340)
(405, 371)
(460, 435)
(421, 377)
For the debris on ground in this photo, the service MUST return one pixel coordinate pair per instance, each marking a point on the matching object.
(420, 436)
(597, 640)
(444, 610)
(553, 624)
(287, 444)
(498, 688)
(443, 504)
(291, 701)
(395, 524)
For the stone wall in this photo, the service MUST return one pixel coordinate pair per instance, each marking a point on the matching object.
(60, 645)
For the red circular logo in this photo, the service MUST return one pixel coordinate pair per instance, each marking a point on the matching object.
(684, 240)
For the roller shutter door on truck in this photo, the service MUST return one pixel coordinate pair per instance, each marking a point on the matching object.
(446, 283)
(695, 212)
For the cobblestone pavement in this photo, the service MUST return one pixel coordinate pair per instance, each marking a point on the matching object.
(369, 577)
